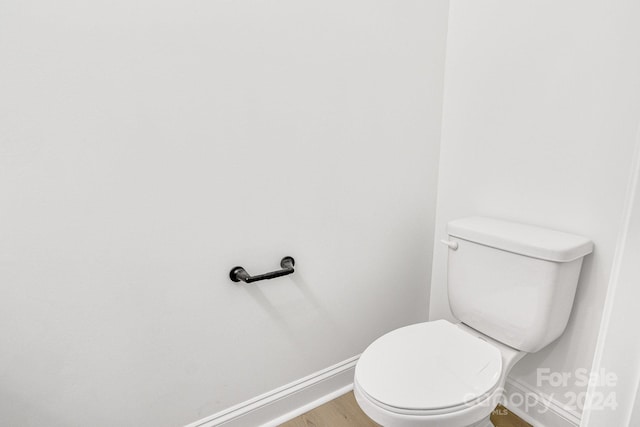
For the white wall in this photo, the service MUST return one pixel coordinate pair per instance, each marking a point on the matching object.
(617, 356)
(540, 113)
(635, 415)
(147, 147)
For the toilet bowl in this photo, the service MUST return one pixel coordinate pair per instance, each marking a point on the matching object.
(511, 287)
(433, 374)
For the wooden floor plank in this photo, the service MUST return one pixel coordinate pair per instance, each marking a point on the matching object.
(502, 417)
(341, 412)
(345, 412)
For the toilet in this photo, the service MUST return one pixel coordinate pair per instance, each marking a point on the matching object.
(511, 287)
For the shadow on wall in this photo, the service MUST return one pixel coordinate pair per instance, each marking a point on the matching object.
(296, 315)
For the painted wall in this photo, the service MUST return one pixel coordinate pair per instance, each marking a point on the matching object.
(147, 147)
(635, 415)
(617, 360)
(539, 122)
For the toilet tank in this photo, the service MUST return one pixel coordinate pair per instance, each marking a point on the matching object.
(513, 282)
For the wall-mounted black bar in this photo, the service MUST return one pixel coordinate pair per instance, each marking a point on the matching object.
(238, 274)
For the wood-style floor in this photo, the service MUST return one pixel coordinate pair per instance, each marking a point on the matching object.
(341, 412)
(502, 417)
(345, 412)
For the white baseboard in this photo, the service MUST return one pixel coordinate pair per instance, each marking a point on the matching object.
(538, 409)
(282, 404)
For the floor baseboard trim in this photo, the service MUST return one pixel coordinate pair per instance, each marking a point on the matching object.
(537, 408)
(284, 403)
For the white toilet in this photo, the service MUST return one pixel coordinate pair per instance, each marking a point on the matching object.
(512, 288)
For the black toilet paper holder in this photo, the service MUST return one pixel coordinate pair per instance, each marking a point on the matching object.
(238, 274)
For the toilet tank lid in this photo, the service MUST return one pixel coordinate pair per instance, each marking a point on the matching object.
(528, 240)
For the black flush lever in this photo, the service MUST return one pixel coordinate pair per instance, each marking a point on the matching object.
(238, 273)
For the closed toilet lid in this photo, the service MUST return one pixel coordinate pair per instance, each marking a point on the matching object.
(432, 365)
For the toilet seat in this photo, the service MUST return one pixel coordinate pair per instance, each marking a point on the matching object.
(428, 368)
